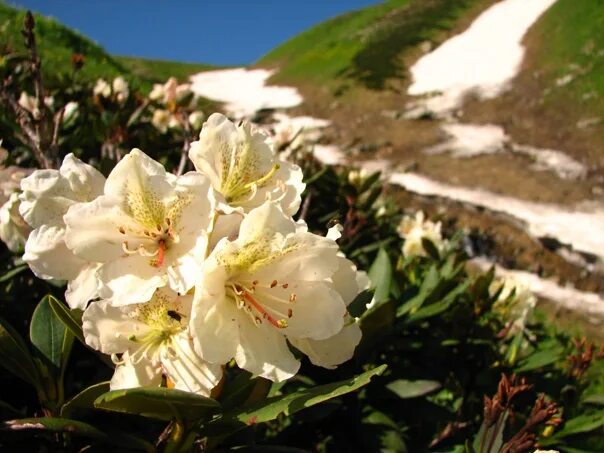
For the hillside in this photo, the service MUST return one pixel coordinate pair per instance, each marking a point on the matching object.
(366, 45)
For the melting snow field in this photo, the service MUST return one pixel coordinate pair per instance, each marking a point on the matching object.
(482, 59)
(244, 90)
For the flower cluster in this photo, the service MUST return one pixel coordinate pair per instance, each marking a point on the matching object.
(179, 275)
(118, 89)
(415, 229)
(175, 101)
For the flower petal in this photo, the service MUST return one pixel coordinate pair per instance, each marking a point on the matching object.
(84, 288)
(311, 309)
(128, 375)
(332, 351)
(48, 257)
(263, 351)
(187, 369)
(109, 329)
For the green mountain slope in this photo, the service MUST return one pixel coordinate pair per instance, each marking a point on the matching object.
(569, 53)
(368, 45)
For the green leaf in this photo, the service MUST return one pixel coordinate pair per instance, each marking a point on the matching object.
(159, 403)
(438, 307)
(597, 399)
(427, 287)
(540, 359)
(493, 433)
(404, 388)
(359, 305)
(85, 399)
(77, 428)
(13, 272)
(271, 408)
(430, 249)
(47, 333)
(380, 275)
(71, 319)
(16, 357)
(581, 424)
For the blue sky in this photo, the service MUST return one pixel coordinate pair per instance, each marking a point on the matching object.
(224, 32)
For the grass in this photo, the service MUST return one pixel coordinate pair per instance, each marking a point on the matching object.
(161, 70)
(571, 43)
(366, 45)
(56, 43)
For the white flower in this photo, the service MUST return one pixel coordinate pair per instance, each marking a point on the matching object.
(70, 113)
(120, 89)
(161, 120)
(46, 197)
(514, 303)
(154, 342)
(13, 229)
(243, 167)
(196, 120)
(149, 229)
(102, 89)
(275, 282)
(169, 92)
(414, 229)
(29, 103)
(357, 177)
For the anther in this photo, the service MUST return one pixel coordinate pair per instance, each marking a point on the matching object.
(122, 230)
(274, 283)
(285, 285)
(292, 298)
(290, 313)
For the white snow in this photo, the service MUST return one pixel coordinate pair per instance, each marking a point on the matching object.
(482, 59)
(244, 90)
(329, 154)
(590, 304)
(549, 159)
(471, 140)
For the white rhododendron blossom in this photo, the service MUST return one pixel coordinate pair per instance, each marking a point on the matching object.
(13, 229)
(514, 303)
(148, 229)
(102, 89)
(46, 196)
(275, 282)
(243, 167)
(30, 103)
(414, 229)
(170, 92)
(70, 113)
(120, 89)
(152, 341)
(196, 119)
(161, 120)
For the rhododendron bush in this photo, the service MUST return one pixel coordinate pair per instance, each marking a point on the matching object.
(177, 280)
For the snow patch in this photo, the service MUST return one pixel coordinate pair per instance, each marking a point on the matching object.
(482, 59)
(471, 140)
(244, 90)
